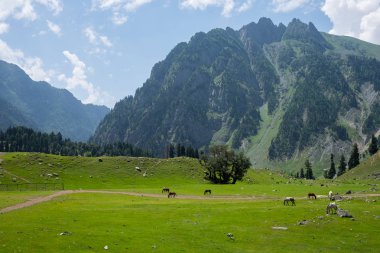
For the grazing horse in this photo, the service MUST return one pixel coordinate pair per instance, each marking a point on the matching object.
(165, 190)
(172, 194)
(331, 208)
(289, 199)
(207, 192)
(311, 195)
(330, 195)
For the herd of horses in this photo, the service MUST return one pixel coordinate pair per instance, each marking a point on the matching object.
(173, 194)
(330, 209)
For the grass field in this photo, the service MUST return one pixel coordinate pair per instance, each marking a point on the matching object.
(150, 224)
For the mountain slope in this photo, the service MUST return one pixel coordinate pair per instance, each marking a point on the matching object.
(43, 107)
(280, 93)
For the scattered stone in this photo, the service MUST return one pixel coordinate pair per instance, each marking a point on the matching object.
(231, 236)
(106, 247)
(101, 160)
(349, 192)
(65, 233)
(280, 228)
(55, 174)
(303, 222)
(14, 179)
(138, 169)
(154, 246)
(343, 213)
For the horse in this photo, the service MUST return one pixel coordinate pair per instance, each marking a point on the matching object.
(289, 199)
(165, 190)
(207, 192)
(311, 195)
(331, 208)
(172, 194)
(330, 195)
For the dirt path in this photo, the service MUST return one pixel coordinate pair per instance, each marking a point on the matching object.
(60, 193)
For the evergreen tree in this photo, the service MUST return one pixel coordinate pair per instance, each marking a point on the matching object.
(331, 173)
(171, 151)
(342, 166)
(354, 158)
(309, 171)
(373, 148)
(302, 174)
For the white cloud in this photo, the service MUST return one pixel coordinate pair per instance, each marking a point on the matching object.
(53, 5)
(356, 18)
(288, 5)
(54, 28)
(78, 83)
(245, 6)
(228, 6)
(33, 66)
(4, 27)
(120, 8)
(94, 38)
(119, 19)
(24, 9)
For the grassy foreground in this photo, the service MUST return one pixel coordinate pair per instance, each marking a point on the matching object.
(137, 224)
(146, 224)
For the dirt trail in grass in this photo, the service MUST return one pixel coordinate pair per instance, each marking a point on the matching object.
(38, 200)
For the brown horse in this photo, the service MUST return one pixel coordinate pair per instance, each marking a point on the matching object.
(165, 190)
(172, 194)
(311, 195)
(207, 192)
(289, 199)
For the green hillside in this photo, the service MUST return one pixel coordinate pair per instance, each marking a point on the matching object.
(368, 169)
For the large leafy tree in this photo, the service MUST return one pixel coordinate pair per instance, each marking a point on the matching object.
(224, 166)
(373, 148)
(354, 158)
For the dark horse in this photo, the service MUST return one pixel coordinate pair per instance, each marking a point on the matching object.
(165, 190)
(207, 192)
(311, 195)
(289, 199)
(172, 194)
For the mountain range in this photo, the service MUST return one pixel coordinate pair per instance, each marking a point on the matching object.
(279, 93)
(40, 106)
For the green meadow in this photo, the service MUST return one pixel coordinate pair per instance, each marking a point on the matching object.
(252, 210)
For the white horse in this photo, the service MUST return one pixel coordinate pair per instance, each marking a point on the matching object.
(331, 208)
(330, 195)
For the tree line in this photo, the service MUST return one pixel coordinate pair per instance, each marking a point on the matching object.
(181, 150)
(22, 139)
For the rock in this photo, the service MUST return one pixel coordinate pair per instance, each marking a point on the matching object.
(14, 179)
(55, 174)
(280, 228)
(303, 222)
(231, 236)
(106, 247)
(101, 160)
(343, 213)
(348, 192)
(65, 233)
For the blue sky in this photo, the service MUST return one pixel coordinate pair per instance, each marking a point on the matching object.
(102, 50)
